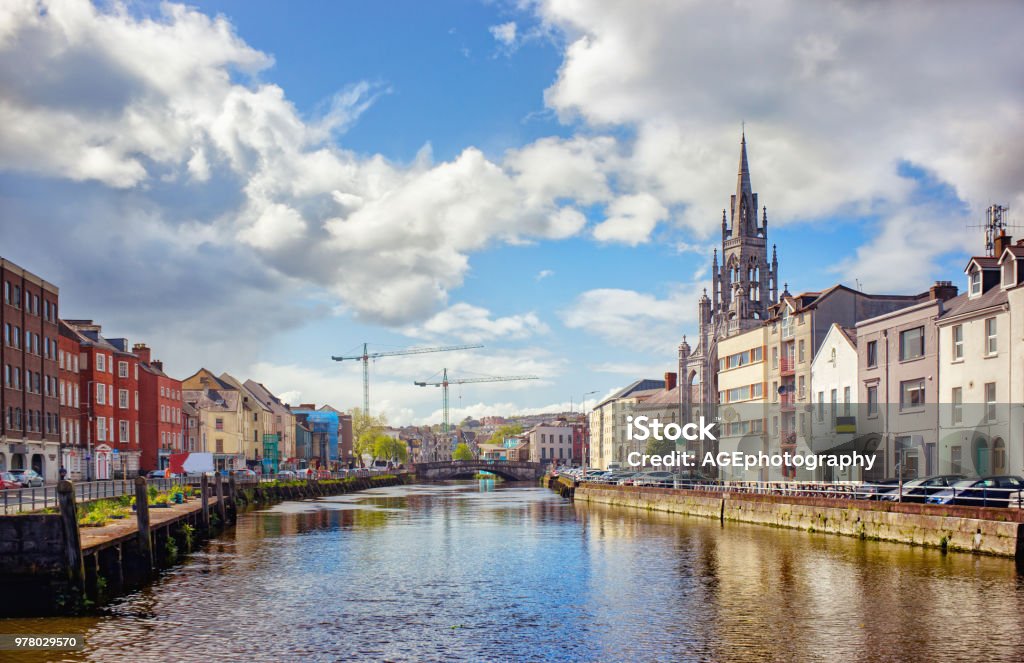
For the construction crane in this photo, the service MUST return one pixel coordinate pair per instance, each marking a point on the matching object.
(367, 356)
(445, 382)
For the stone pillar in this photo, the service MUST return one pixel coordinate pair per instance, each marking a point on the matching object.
(145, 538)
(204, 488)
(72, 538)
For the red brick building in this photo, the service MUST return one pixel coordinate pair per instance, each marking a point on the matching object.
(29, 404)
(107, 376)
(71, 447)
(161, 423)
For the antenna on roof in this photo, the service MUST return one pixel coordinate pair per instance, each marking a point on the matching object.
(995, 224)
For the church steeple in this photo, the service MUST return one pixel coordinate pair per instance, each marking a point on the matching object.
(744, 201)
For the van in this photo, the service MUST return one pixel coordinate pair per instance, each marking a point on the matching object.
(613, 467)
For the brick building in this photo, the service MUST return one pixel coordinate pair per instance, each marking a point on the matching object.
(161, 424)
(71, 446)
(29, 403)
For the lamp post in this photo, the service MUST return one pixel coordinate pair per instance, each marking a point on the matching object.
(586, 432)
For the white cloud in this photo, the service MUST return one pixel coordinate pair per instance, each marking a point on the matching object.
(543, 274)
(635, 370)
(829, 115)
(634, 320)
(474, 324)
(504, 33)
(631, 219)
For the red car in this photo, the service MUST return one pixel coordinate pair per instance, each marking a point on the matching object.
(8, 481)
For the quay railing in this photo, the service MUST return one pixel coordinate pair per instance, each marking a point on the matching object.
(971, 492)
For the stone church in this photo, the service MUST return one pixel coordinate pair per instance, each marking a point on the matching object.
(744, 286)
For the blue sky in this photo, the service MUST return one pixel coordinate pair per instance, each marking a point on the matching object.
(255, 186)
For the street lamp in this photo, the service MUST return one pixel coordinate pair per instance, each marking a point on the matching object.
(586, 432)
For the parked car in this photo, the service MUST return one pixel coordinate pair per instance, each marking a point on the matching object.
(27, 478)
(8, 481)
(653, 479)
(155, 474)
(996, 491)
(876, 490)
(286, 475)
(918, 490)
(248, 474)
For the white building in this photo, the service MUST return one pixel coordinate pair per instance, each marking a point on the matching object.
(551, 443)
(981, 347)
(834, 379)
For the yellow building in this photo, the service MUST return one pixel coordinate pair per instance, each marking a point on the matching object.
(742, 396)
(221, 420)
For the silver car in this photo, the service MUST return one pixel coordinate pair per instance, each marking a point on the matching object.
(28, 478)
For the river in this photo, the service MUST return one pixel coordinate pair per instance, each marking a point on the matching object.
(456, 572)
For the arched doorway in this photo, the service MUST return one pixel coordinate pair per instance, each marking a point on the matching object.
(3, 463)
(39, 464)
(104, 462)
(981, 456)
(998, 456)
(18, 462)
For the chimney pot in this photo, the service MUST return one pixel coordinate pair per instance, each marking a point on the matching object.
(670, 381)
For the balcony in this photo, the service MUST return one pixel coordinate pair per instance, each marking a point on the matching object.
(787, 401)
(787, 365)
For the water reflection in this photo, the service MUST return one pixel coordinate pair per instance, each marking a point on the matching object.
(516, 573)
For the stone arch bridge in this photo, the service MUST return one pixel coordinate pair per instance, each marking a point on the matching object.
(464, 469)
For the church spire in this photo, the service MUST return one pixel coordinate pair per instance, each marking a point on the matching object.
(744, 202)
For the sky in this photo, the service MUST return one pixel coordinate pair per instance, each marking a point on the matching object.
(255, 186)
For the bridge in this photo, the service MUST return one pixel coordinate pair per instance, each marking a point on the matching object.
(465, 469)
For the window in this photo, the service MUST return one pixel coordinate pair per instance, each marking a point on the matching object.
(911, 343)
(991, 342)
(821, 406)
(101, 364)
(219, 445)
(872, 354)
(803, 388)
(957, 411)
(990, 401)
(775, 357)
(124, 431)
(122, 399)
(956, 465)
(101, 394)
(801, 353)
(975, 282)
(911, 394)
(958, 342)
(101, 430)
(122, 369)
(219, 424)
(846, 401)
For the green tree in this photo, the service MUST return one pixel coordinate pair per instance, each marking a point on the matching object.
(462, 452)
(388, 448)
(363, 422)
(659, 447)
(506, 430)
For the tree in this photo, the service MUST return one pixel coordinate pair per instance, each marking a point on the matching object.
(462, 452)
(387, 447)
(363, 422)
(506, 430)
(660, 447)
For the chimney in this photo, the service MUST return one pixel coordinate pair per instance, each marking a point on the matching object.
(157, 364)
(670, 381)
(142, 351)
(1001, 242)
(942, 290)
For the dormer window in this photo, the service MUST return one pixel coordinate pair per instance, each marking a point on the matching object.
(1008, 275)
(975, 282)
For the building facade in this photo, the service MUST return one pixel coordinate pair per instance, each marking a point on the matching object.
(162, 426)
(72, 450)
(551, 444)
(29, 396)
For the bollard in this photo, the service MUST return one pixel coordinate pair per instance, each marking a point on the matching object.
(142, 516)
(232, 496)
(204, 488)
(72, 538)
(221, 510)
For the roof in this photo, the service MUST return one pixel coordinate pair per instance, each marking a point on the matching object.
(646, 383)
(1016, 251)
(808, 300)
(850, 333)
(984, 262)
(260, 391)
(216, 382)
(963, 305)
(149, 368)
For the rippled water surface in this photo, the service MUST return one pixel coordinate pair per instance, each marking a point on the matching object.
(453, 572)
